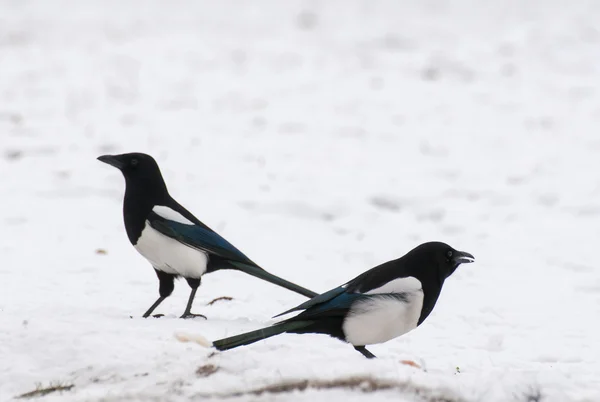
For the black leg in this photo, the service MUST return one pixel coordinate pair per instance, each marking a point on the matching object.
(365, 352)
(165, 288)
(155, 305)
(194, 284)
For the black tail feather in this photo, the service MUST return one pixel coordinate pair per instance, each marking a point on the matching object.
(255, 336)
(264, 275)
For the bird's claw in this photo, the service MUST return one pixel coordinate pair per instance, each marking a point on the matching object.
(191, 315)
(158, 315)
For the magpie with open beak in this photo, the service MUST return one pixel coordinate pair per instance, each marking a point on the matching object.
(381, 304)
(173, 240)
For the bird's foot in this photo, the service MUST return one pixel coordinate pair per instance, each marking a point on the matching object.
(192, 315)
(153, 316)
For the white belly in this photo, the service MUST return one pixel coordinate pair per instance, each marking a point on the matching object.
(170, 256)
(383, 318)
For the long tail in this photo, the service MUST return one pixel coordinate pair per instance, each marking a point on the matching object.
(260, 334)
(266, 276)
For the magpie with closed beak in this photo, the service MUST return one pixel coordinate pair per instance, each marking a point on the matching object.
(173, 240)
(381, 304)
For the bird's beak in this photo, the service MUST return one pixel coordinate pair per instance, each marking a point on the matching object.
(461, 257)
(111, 160)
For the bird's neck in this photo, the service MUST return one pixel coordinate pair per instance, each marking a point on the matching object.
(137, 205)
(431, 292)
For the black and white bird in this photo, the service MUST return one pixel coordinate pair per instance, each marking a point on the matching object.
(173, 240)
(381, 304)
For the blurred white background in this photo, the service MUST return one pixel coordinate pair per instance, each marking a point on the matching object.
(321, 138)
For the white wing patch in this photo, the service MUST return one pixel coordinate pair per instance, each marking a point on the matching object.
(171, 214)
(408, 284)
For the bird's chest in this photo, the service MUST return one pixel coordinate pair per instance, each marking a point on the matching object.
(382, 318)
(170, 256)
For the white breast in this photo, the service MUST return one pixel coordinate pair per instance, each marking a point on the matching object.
(385, 317)
(170, 256)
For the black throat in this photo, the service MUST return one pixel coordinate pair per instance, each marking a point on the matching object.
(432, 287)
(139, 200)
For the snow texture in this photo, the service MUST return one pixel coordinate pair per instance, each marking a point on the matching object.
(321, 138)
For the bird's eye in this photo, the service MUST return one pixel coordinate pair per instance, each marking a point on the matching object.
(449, 253)
(133, 162)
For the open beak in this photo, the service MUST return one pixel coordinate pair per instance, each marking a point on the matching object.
(460, 257)
(111, 160)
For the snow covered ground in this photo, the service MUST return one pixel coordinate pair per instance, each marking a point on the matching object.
(321, 138)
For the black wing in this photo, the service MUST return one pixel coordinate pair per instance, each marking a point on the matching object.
(199, 237)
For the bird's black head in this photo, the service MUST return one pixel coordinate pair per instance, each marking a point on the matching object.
(141, 172)
(442, 256)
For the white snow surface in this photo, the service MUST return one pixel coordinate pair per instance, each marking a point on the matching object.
(321, 138)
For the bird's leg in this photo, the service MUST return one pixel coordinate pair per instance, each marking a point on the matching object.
(165, 288)
(155, 305)
(187, 313)
(194, 284)
(365, 352)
